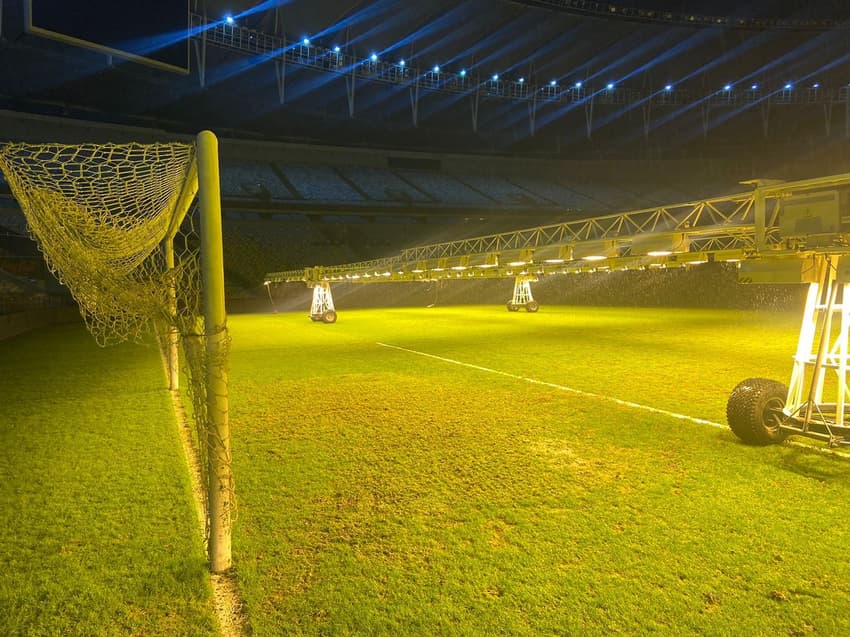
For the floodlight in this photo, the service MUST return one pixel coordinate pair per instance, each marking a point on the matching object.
(660, 245)
(727, 87)
(754, 87)
(495, 77)
(516, 258)
(401, 62)
(788, 86)
(816, 85)
(596, 250)
(553, 83)
(610, 86)
(336, 49)
(521, 80)
(306, 41)
(228, 19)
(436, 68)
(668, 87)
(553, 254)
(463, 72)
(374, 57)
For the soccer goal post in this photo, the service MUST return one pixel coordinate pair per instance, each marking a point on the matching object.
(134, 232)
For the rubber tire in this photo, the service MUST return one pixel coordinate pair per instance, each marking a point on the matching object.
(315, 318)
(532, 306)
(329, 317)
(512, 307)
(752, 411)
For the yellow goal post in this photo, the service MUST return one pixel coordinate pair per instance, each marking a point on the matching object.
(134, 232)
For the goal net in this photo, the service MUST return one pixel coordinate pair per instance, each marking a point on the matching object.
(118, 226)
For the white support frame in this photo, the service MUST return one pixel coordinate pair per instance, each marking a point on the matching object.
(323, 300)
(822, 346)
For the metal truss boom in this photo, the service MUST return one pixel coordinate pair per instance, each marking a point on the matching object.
(727, 228)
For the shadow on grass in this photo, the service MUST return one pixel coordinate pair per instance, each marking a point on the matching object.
(810, 463)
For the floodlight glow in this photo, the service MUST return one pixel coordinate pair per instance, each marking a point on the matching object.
(228, 19)
(727, 87)
(306, 41)
(436, 68)
(521, 80)
(788, 86)
(754, 87)
(459, 267)
(610, 86)
(816, 85)
(336, 49)
(463, 72)
(578, 84)
(401, 62)
(553, 83)
(495, 77)
(516, 264)
(374, 57)
(594, 257)
(668, 87)
(659, 253)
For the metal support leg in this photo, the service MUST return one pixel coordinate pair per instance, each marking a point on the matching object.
(323, 303)
(822, 347)
(522, 294)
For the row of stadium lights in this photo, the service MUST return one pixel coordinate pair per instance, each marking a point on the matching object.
(610, 86)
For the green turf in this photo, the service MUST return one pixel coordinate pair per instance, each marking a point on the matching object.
(387, 493)
(97, 531)
(382, 492)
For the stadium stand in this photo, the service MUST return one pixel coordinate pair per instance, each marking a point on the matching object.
(444, 188)
(252, 180)
(383, 185)
(320, 183)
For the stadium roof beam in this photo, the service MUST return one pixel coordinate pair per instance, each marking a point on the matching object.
(341, 61)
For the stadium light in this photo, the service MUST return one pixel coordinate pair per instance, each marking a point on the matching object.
(816, 85)
(610, 86)
(401, 63)
(374, 57)
(463, 72)
(668, 87)
(596, 250)
(521, 80)
(754, 87)
(436, 68)
(306, 41)
(495, 77)
(578, 85)
(336, 49)
(228, 19)
(788, 86)
(553, 83)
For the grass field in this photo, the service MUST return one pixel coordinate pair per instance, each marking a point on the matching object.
(386, 491)
(97, 531)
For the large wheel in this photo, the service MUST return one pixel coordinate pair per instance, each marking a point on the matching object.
(532, 306)
(513, 307)
(754, 411)
(329, 317)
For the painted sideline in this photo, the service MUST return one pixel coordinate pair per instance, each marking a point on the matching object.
(579, 392)
(617, 401)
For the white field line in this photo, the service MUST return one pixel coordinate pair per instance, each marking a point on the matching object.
(580, 392)
(617, 401)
